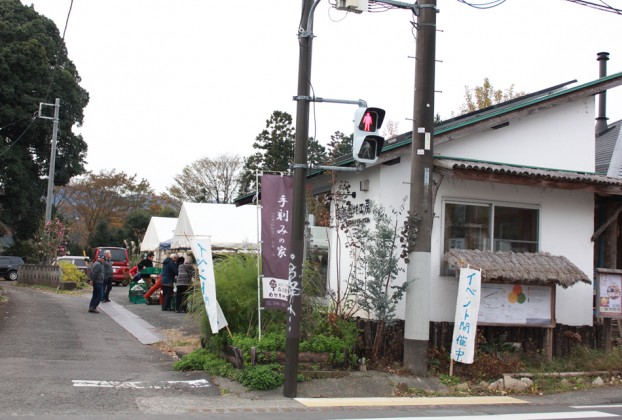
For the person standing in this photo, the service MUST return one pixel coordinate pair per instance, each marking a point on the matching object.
(107, 275)
(169, 272)
(97, 280)
(146, 263)
(185, 275)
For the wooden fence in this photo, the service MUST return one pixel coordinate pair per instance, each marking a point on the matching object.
(44, 275)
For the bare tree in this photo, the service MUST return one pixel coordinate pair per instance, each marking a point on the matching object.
(108, 195)
(391, 129)
(209, 180)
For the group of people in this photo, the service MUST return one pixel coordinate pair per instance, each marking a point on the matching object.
(176, 271)
(101, 279)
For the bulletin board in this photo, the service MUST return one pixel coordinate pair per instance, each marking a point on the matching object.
(608, 291)
(517, 305)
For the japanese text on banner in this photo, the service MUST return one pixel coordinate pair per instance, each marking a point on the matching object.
(202, 250)
(467, 311)
(276, 200)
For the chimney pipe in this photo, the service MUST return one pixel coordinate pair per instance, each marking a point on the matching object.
(601, 120)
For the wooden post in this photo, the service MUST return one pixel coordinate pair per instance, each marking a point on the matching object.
(607, 326)
(548, 344)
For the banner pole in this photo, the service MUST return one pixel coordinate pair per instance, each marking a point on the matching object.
(259, 250)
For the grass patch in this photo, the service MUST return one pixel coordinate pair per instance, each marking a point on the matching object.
(490, 366)
(258, 377)
(581, 359)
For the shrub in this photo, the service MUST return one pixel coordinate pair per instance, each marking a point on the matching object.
(486, 366)
(195, 360)
(236, 288)
(261, 377)
(71, 273)
(201, 359)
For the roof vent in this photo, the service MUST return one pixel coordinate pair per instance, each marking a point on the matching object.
(601, 120)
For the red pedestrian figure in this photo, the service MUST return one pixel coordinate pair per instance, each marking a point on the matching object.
(367, 121)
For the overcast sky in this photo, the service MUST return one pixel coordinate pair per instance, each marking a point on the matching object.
(172, 81)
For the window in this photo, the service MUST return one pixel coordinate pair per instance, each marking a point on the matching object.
(489, 227)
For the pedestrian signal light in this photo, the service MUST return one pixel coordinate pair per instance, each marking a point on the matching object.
(367, 144)
(369, 121)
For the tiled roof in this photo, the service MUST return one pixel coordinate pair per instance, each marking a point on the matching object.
(606, 153)
(527, 172)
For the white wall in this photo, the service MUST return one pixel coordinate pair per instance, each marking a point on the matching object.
(566, 225)
(559, 138)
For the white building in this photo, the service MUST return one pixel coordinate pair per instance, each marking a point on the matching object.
(519, 176)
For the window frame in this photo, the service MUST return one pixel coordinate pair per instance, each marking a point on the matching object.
(491, 204)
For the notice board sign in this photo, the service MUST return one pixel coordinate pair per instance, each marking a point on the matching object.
(517, 305)
(608, 291)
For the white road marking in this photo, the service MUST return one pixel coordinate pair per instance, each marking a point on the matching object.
(135, 325)
(581, 407)
(523, 416)
(405, 401)
(200, 383)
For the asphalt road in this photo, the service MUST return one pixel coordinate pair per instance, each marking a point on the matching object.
(59, 361)
(56, 358)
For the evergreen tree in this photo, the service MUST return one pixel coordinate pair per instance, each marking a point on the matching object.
(34, 68)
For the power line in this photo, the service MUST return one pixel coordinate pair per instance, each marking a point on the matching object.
(484, 5)
(49, 88)
(599, 6)
(5, 151)
(58, 53)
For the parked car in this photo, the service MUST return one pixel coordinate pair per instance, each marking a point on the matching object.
(9, 267)
(82, 263)
(120, 262)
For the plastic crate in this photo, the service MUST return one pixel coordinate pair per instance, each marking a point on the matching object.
(137, 289)
(151, 270)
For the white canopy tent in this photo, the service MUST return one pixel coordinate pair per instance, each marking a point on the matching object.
(228, 226)
(160, 229)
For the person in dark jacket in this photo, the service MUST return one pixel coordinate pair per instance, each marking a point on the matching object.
(97, 280)
(169, 273)
(185, 273)
(146, 263)
(107, 275)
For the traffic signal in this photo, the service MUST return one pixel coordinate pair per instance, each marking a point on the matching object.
(367, 144)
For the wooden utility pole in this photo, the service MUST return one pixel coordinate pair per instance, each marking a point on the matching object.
(292, 339)
(417, 318)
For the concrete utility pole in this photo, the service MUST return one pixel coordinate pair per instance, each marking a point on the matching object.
(417, 318)
(50, 194)
(292, 340)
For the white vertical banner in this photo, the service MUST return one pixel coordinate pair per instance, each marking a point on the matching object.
(467, 311)
(202, 249)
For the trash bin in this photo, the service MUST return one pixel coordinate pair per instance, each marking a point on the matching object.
(137, 291)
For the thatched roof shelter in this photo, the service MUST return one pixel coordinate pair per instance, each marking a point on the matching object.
(509, 267)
